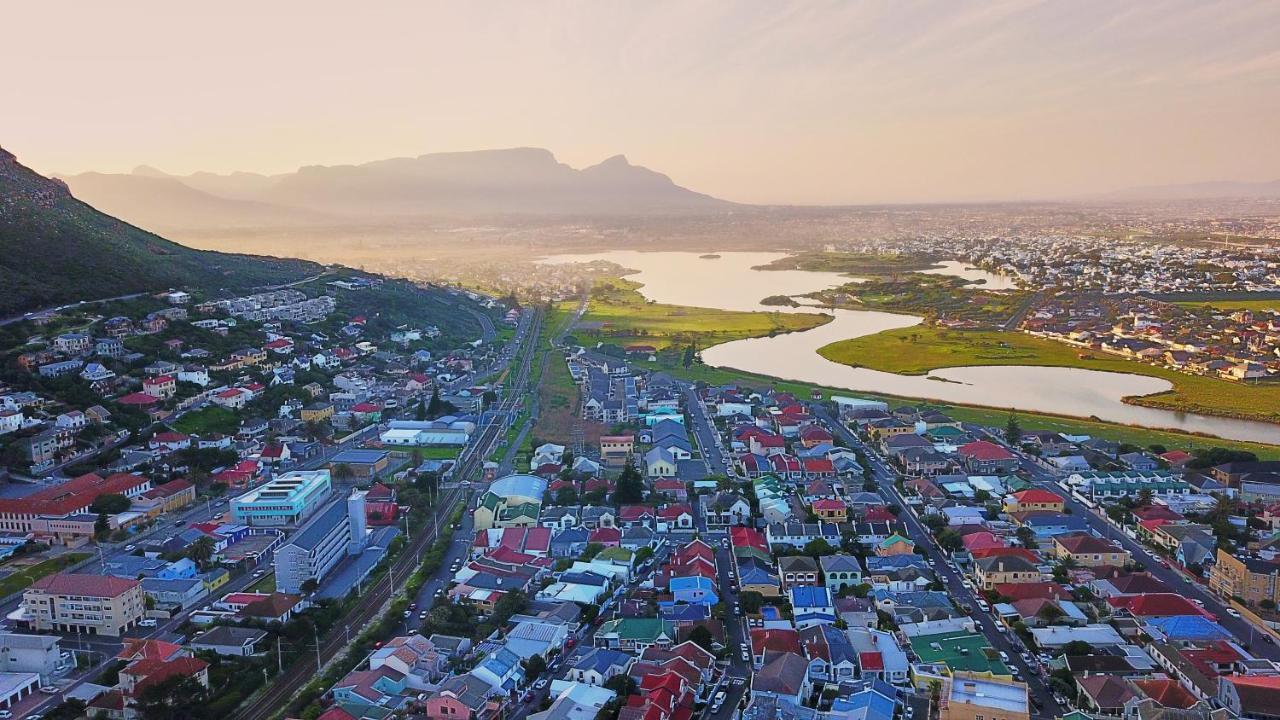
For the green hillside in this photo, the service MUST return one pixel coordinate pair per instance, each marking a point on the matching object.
(56, 249)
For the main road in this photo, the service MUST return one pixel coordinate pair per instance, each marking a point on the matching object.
(946, 572)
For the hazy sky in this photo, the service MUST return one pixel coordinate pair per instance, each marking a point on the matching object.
(759, 101)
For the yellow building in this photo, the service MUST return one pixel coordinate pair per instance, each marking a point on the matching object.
(1252, 579)
(1004, 569)
(317, 412)
(1089, 551)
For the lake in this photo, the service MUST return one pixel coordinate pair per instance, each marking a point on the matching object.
(731, 282)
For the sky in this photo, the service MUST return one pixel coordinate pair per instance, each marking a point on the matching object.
(817, 102)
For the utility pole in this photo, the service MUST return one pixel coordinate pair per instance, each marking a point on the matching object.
(317, 633)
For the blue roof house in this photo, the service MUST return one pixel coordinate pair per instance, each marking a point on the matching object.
(183, 569)
(812, 605)
(696, 590)
(501, 670)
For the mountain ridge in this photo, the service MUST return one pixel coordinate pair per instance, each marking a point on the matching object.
(504, 181)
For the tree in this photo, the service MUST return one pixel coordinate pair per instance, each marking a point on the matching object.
(1012, 430)
(1145, 497)
(702, 638)
(818, 547)
(420, 413)
(1050, 613)
(343, 471)
(950, 540)
(1077, 647)
(435, 406)
(309, 586)
(488, 399)
(688, 355)
(566, 495)
(201, 551)
(177, 698)
(630, 486)
(750, 601)
(534, 666)
(101, 526)
(622, 684)
(110, 503)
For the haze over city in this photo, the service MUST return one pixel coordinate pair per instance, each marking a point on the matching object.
(819, 103)
(884, 360)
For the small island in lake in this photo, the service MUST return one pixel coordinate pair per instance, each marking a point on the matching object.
(780, 300)
(709, 256)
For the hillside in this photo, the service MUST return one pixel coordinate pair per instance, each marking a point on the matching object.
(516, 181)
(55, 249)
(160, 202)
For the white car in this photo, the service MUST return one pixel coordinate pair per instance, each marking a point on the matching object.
(1233, 612)
(49, 690)
(147, 622)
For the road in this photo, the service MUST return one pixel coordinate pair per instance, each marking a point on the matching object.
(947, 573)
(1255, 640)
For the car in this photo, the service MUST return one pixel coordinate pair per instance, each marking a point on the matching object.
(259, 573)
(542, 682)
(130, 548)
(413, 606)
(408, 614)
(147, 622)
(48, 689)
(1004, 656)
(737, 609)
(1233, 612)
(5, 715)
(1198, 601)
(746, 656)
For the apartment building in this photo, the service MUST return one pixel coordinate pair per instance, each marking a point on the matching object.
(89, 604)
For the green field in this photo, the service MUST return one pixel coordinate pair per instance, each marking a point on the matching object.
(437, 453)
(207, 421)
(992, 417)
(619, 314)
(22, 579)
(858, 264)
(1272, 305)
(917, 350)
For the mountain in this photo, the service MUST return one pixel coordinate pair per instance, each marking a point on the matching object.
(161, 202)
(56, 249)
(1199, 191)
(515, 181)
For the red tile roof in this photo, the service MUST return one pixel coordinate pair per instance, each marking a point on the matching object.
(137, 398)
(88, 585)
(983, 450)
(1156, 605)
(73, 495)
(871, 661)
(1036, 496)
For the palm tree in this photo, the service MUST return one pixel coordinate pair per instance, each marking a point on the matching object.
(201, 551)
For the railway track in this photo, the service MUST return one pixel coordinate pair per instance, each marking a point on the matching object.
(276, 696)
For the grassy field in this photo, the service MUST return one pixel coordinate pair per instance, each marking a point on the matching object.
(917, 350)
(207, 421)
(852, 263)
(22, 579)
(619, 314)
(994, 417)
(437, 453)
(1272, 305)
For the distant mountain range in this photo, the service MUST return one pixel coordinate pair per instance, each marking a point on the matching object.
(1196, 191)
(517, 181)
(55, 249)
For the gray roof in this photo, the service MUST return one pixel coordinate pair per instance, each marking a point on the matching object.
(230, 636)
(840, 563)
(318, 527)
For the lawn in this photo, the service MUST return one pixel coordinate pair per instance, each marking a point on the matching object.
(857, 264)
(208, 421)
(917, 350)
(437, 453)
(1271, 305)
(992, 417)
(266, 585)
(619, 314)
(22, 579)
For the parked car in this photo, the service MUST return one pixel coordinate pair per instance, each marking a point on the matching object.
(147, 622)
(48, 689)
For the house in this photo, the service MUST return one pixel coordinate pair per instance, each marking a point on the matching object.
(973, 696)
(830, 510)
(797, 570)
(1089, 551)
(725, 508)
(635, 634)
(597, 665)
(786, 676)
(694, 590)
(895, 544)
(230, 640)
(659, 462)
(812, 605)
(982, 457)
(840, 571)
(831, 656)
(998, 570)
(1033, 499)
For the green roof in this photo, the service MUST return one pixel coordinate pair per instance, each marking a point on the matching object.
(896, 538)
(529, 510)
(960, 651)
(946, 431)
(638, 629)
(616, 553)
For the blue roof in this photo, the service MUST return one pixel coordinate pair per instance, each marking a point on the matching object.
(362, 457)
(808, 596)
(571, 535)
(320, 524)
(684, 612)
(691, 583)
(895, 562)
(500, 662)
(601, 659)
(584, 578)
(1190, 627)
(875, 703)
